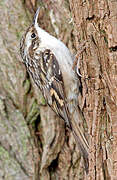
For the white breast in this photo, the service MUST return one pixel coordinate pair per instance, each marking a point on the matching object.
(65, 61)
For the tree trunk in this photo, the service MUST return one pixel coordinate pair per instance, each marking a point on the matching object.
(96, 22)
(34, 142)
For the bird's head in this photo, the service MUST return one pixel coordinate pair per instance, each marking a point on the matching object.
(30, 40)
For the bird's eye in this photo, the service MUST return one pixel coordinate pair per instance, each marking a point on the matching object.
(33, 35)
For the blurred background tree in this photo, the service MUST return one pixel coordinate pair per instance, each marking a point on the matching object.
(34, 143)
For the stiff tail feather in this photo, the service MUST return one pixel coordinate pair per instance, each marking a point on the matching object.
(80, 138)
(82, 150)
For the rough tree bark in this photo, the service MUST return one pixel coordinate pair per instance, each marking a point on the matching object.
(96, 22)
(34, 143)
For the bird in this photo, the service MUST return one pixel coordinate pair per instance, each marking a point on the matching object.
(49, 62)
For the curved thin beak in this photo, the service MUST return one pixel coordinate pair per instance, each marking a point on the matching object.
(36, 16)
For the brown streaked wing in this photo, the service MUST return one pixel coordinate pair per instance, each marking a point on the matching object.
(54, 89)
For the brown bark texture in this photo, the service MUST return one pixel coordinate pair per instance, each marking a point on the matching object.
(96, 23)
(34, 142)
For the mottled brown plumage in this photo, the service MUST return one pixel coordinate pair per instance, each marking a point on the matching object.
(50, 64)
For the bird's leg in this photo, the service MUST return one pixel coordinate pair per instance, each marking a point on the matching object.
(76, 62)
